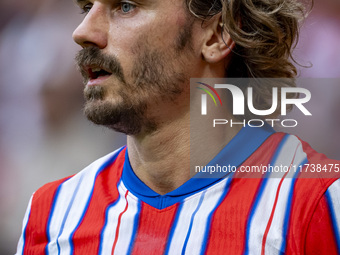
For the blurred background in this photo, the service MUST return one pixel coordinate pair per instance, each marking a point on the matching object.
(43, 134)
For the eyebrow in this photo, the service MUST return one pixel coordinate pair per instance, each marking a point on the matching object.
(79, 2)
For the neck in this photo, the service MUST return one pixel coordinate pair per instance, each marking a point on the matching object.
(162, 159)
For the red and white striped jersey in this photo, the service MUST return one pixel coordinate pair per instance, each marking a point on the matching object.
(106, 209)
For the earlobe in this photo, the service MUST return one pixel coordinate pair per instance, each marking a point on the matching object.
(218, 44)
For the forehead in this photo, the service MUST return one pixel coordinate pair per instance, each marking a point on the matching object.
(137, 1)
(162, 8)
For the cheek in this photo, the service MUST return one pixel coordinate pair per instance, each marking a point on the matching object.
(166, 31)
(128, 36)
(125, 36)
(151, 29)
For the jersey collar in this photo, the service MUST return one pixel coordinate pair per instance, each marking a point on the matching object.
(245, 143)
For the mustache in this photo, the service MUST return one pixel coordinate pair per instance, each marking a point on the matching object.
(92, 56)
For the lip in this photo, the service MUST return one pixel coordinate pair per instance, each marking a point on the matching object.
(98, 81)
(95, 79)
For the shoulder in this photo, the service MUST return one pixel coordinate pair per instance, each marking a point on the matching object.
(87, 176)
(312, 192)
(315, 196)
(313, 172)
(54, 201)
(306, 162)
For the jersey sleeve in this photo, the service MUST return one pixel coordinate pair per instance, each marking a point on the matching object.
(34, 237)
(323, 232)
(20, 247)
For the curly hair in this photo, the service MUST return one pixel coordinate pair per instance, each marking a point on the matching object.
(265, 33)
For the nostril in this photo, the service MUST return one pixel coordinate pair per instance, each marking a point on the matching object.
(95, 38)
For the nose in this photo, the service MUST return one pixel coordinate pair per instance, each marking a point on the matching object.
(93, 31)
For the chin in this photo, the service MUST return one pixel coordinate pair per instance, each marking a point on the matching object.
(119, 117)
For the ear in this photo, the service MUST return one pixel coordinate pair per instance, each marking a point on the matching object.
(218, 43)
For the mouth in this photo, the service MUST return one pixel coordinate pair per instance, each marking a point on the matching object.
(96, 74)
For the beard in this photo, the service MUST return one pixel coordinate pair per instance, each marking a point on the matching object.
(155, 77)
(126, 116)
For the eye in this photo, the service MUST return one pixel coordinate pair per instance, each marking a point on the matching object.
(86, 8)
(127, 7)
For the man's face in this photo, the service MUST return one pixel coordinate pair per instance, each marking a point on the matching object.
(136, 61)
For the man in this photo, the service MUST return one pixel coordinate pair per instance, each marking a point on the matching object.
(137, 61)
